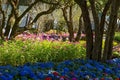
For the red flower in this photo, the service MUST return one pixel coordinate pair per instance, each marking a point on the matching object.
(62, 77)
(105, 74)
(117, 79)
(102, 79)
(55, 73)
(48, 78)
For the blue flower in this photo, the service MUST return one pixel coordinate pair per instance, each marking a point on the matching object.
(67, 62)
(66, 70)
(3, 77)
(40, 75)
(43, 65)
(26, 70)
(23, 73)
(50, 64)
(32, 75)
(24, 78)
(108, 71)
(10, 77)
(89, 66)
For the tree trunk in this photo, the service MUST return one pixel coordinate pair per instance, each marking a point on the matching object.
(88, 28)
(14, 12)
(2, 21)
(8, 26)
(14, 29)
(102, 24)
(12, 19)
(71, 25)
(111, 30)
(96, 49)
(17, 19)
(79, 30)
(69, 22)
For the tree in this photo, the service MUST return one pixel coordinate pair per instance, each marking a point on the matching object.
(67, 8)
(14, 18)
(94, 45)
(111, 30)
(80, 29)
(67, 14)
(2, 20)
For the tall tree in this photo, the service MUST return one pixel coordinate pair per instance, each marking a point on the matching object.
(15, 18)
(111, 30)
(94, 45)
(68, 16)
(88, 29)
(79, 29)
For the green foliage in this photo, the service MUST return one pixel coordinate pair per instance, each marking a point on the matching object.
(117, 36)
(1, 41)
(83, 43)
(114, 43)
(116, 54)
(20, 52)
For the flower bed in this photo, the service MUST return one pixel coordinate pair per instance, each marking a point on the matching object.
(20, 51)
(67, 70)
(52, 36)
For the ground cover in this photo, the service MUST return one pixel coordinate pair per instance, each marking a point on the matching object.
(67, 70)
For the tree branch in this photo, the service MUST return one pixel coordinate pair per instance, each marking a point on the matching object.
(106, 8)
(28, 9)
(50, 10)
(3, 14)
(15, 5)
(50, 2)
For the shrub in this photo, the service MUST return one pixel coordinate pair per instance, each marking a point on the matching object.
(1, 41)
(20, 52)
(117, 36)
(116, 54)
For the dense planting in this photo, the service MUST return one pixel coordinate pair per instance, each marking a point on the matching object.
(66, 70)
(20, 52)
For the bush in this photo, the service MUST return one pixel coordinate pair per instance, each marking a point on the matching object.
(20, 52)
(116, 54)
(1, 41)
(117, 36)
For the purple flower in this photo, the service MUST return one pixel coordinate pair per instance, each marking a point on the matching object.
(74, 78)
